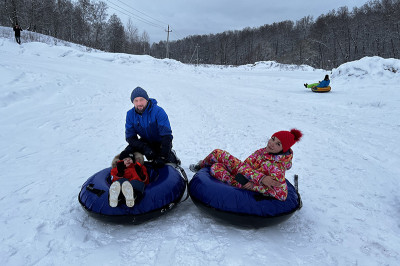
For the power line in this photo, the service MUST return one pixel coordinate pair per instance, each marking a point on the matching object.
(119, 11)
(177, 33)
(141, 12)
(136, 17)
(141, 18)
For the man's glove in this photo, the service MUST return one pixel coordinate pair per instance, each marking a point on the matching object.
(159, 162)
(149, 154)
(121, 168)
(166, 146)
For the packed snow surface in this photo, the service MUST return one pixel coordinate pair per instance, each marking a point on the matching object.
(62, 117)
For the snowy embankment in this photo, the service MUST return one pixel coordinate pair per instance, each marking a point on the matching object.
(62, 113)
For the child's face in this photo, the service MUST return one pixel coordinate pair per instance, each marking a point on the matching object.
(128, 161)
(274, 145)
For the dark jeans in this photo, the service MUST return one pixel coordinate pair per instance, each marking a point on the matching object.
(18, 39)
(138, 186)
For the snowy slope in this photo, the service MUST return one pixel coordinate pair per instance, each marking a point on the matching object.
(62, 115)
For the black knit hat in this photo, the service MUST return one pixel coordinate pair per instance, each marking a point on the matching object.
(127, 154)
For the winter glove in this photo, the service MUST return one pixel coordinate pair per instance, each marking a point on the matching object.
(121, 168)
(149, 154)
(166, 146)
(159, 162)
(241, 179)
(140, 173)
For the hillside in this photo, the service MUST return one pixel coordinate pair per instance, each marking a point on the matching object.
(62, 116)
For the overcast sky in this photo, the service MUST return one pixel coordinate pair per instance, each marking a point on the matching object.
(197, 17)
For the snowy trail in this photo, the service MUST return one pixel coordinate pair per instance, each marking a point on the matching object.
(62, 114)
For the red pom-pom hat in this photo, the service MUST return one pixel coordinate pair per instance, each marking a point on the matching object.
(288, 138)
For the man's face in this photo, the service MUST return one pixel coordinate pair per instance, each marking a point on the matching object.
(140, 104)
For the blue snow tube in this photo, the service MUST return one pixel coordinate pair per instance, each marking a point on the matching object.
(239, 206)
(165, 190)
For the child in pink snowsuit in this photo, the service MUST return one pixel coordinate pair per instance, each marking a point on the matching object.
(264, 169)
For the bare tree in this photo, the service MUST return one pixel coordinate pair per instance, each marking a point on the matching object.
(144, 42)
(132, 38)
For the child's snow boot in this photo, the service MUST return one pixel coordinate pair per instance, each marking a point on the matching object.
(127, 190)
(115, 189)
(195, 167)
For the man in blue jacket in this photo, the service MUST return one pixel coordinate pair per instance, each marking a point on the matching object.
(150, 122)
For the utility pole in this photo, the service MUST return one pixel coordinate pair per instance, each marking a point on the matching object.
(196, 51)
(168, 31)
(197, 48)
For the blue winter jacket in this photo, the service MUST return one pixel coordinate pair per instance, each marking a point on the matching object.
(150, 126)
(324, 83)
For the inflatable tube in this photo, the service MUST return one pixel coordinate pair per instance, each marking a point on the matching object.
(166, 189)
(324, 89)
(239, 206)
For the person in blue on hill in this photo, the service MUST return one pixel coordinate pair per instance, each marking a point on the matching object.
(148, 131)
(320, 84)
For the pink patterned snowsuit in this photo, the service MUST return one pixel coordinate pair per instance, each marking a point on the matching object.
(224, 167)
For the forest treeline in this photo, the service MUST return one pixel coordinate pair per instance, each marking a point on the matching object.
(326, 42)
(331, 40)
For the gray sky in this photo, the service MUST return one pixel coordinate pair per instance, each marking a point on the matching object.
(194, 17)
